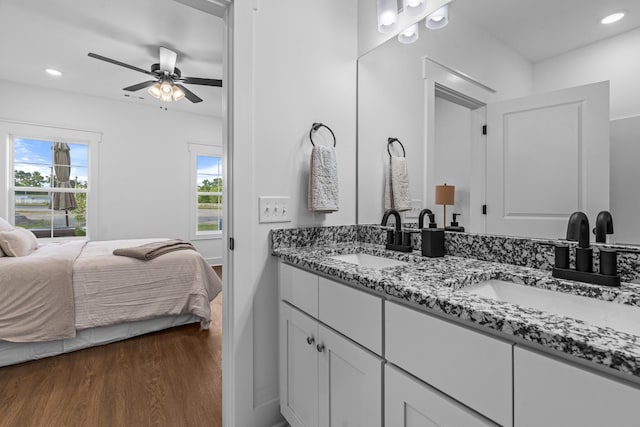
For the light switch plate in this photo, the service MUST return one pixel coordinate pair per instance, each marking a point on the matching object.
(274, 209)
(416, 207)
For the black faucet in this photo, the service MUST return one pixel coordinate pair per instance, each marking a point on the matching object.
(432, 219)
(604, 226)
(578, 230)
(396, 215)
(396, 240)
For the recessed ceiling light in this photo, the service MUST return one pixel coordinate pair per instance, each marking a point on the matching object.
(615, 17)
(53, 72)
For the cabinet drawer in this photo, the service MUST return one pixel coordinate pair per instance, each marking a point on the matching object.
(471, 367)
(411, 403)
(353, 313)
(570, 395)
(299, 288)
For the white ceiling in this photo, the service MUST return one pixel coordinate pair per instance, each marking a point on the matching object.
(39, 34)
(541, 29)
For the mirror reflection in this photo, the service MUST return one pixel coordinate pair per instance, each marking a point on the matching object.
(556, 88)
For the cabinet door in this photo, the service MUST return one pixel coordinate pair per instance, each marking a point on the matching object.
(350, 383)
(550, 392)
(298, 367)
(412, 403)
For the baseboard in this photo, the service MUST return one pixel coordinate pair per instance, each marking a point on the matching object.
(269, 414)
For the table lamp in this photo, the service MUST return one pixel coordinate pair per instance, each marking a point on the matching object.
(445, 195)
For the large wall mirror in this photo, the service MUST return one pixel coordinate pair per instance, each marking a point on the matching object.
(558, 92)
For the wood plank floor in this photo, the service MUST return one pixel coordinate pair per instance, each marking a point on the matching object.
(168, 378)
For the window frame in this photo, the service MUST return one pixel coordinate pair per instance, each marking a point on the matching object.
(91, 139)
(195, 150)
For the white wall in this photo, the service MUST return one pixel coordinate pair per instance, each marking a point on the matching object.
(615, 59)
(391, 93)
(453, 151)
(294, 63)
(143, 188)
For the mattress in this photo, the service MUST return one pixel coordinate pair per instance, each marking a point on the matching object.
(12, 353)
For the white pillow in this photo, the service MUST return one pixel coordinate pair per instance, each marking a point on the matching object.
(4, 225)
(18, 242)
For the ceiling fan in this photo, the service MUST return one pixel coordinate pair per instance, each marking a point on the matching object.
(168, 81)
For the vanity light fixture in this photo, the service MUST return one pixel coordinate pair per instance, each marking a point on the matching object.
(414, 7)
(438, 19)
(387, 15)
(409, 35)
(53, 72)
(614, 17)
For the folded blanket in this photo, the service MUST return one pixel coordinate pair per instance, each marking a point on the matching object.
(323, 180)
(396, 191)
(153, 250)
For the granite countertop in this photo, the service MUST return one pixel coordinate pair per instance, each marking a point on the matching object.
(436, 283)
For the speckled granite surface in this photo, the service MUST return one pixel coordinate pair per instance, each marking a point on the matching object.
(535, 253)
(438, 283)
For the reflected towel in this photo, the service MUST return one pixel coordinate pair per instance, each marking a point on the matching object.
(396, 191)
(323, 180)
(153, 250)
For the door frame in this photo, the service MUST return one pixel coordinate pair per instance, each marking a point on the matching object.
(460, 88)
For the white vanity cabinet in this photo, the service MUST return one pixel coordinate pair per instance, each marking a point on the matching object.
(553, 392)
(326, 379)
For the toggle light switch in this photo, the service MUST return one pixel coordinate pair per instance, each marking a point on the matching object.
(274, 209)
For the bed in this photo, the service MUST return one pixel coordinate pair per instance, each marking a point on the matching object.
(68, 296)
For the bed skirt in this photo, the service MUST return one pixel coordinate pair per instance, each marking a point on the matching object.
(12, 353)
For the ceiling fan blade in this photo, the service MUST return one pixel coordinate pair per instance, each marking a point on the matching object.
(167, 59)
(199, 81)
(140, 86)
(189, 95)
(122, 64)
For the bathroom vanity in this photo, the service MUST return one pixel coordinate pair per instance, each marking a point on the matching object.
(410, 345)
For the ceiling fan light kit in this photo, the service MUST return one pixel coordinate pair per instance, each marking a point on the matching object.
(167, 85)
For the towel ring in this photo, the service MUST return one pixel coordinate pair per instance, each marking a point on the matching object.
(391, 141)
(317, 126)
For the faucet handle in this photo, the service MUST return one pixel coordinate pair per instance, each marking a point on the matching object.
(608, 261)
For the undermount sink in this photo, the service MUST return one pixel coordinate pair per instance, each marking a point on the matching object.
(370, 261)
(621, 317)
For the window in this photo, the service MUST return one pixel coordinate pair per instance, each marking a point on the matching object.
(207, 176)
(49, 186)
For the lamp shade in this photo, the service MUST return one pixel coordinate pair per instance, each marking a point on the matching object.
(414, 7)
(387, 15)
(409, 35)
(445, 194)
(438, 19)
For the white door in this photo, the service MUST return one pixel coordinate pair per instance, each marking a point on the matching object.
(547, 156)
(350, 383)
(298, 367)
(411, 403)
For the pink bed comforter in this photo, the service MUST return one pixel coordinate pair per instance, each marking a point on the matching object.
(61, 288)
(36, 294)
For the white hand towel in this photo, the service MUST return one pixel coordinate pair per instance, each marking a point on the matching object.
(396, 191)
(323, 180)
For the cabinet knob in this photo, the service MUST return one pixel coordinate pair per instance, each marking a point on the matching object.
(310, 340)
(320, 348)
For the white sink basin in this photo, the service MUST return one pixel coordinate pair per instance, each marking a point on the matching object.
(370, 261)
(597, 312)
